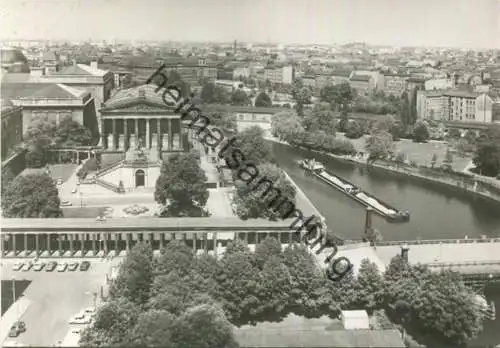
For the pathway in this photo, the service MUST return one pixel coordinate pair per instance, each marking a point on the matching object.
(14, 313)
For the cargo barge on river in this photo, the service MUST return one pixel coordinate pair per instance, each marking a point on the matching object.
(385, 210)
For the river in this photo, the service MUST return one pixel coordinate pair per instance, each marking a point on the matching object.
(436, 211)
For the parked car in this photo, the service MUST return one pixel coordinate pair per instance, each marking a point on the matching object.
(16, 329)
(90, 311)
(59, 181)
(17, 266)
(27, 266)
(51, 266)
(85, 265)
(37, 266)
(74, 190)
(61, 267)
(66, 204)
(80, 318)
(76, 331)
(73, 266)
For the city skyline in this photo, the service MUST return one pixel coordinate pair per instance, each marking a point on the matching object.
(466, 24)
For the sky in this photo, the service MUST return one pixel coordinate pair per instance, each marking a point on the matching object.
(444, 23)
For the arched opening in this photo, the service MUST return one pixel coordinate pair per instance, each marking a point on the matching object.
(139, 178)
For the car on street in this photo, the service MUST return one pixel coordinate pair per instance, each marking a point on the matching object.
(18, 265)
(85, 265)
(73, 266)
(66, 204)
(61, 267)
(16, 329)
(76, 331)
(90, 311)
(38, 266)
(80, 318)
(27, 266)
(51, 266)
(74, 190)
(59, 181)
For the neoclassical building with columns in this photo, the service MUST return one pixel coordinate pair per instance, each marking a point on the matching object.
(139, 131)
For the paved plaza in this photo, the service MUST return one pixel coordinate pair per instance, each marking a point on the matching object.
(50, 300)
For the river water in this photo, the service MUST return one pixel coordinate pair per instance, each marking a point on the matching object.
(437, 212)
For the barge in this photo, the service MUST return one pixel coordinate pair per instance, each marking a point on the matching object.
(382, 208)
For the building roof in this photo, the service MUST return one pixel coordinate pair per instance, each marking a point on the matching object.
(50, 56)
(81, 69)
(361, 78)
(40, 91)
(247, 109)
(10, 55)
(462, 94)
(289, 338)
(144, 93)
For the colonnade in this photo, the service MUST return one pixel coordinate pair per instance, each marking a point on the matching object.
(155, 132)
(90, 244)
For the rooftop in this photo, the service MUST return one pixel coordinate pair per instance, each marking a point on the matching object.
(81, 69)
(40, 91)
(361, 78)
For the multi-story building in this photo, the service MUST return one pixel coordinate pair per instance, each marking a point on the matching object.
(439, 84)
(339, 76)
(12, 126)
(51, 62)
(13, 60)
(459, 106)
(395, 84)
(416, 83)
(53, 102)
(192, 70)
(279, 74)
(241, 71)
(363, 84)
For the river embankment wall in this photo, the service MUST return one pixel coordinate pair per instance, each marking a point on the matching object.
(463, 181)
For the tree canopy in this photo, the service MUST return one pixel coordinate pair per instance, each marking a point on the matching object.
(420, 133)
(240, 98)
(320, 118)
(71, 133)
(263, 100)
(32, 195)
(301, 94)
(339, 96)
(220, 118)
(487, 155)
(181, 186)
(252, 144)
(379, 145)
(213, 94)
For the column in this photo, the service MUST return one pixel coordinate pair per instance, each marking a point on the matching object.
(116, 244)
(82, 249)
(158, 130)
(127, 241)
(77, 157)
(93, 243)
(25, 245)
(136, 122)
(257, 239)
(37, 244)
(59, 239)
(49, 247)
(125, 134)
(205, 242)
(147, 134)
(1, 245)
(13, 236)
(170, 140)
(194, 242)
(115, 140)
(246, 237)
(214, 235)
(105, 243)
(103, 136)
(162, 240)
(71, 245)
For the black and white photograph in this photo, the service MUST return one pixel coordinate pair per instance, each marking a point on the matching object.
(250, 173)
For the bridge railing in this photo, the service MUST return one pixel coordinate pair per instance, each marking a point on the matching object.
(465, 263)
(438, 241)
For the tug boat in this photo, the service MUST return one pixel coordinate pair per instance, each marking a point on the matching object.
(382, 208)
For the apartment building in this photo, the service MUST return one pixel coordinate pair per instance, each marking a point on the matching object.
(439, 84)
(279, 74)
(395, 84)
(363, 84)
(12, 126)
(192, 70)
(459, 106)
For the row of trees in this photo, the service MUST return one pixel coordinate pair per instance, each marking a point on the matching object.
(213, 94)
(184, 300)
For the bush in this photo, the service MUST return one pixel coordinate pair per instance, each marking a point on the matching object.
(354, 130)
(321, 141)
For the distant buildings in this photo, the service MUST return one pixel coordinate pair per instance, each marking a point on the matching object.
(461, 106)
(439, 84)
(363, 84)
(13, 60)
(395, 84)
(279, 74)
(192, 70)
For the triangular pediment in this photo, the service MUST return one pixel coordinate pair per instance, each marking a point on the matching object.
(139, 99)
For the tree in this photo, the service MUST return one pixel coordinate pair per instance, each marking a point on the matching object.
(175, 257)
(213, 94)
(32, 195)
(153, 329)
(339, 96)
(263, 100)
(320, 118)
(404, 111)
(454, 133)
(448, 160)
(239, 97)
(354, 130)
(252, 144)
(487, 155)
(413, 107)
(181, 186)
(254, 201)
(301, 94)
(379, 145)
(433, 160)
(135, 275)
(400, 158)
(38, 140)
(420, 133)
(220, 118)
(343, 121)
(71, 133)
(369, 286)
(6, 179)
(203, 326)
(265, 250)
(286, 125)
